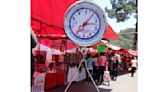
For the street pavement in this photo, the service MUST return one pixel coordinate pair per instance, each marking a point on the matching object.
(124, 83)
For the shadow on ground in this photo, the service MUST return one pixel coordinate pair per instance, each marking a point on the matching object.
(79, 87)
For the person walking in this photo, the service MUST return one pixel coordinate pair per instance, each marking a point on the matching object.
(134, 66)
(115, 70)
(118, 59)
(109, 63)
(115, 67)
(95, 69)
(90, 66)
(102, 66)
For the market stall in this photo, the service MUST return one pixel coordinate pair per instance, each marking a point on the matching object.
(58, 67)
(132, 52)
(43, 65)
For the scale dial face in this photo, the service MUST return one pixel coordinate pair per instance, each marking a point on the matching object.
(85, 23)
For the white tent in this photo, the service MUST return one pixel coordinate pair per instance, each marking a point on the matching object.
(110, 45)
(51, 51)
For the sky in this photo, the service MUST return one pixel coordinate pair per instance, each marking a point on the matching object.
(130, 23)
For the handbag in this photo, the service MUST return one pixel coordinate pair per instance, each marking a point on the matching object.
(130, 68)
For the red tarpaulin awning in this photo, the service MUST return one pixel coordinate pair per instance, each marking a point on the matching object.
(110, 33)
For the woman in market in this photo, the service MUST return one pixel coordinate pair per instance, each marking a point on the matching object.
(95, 68)
(109, 59)
(90, 66)
(134, 66)
(115, 67)
(111, 65)
(118, 58)
(102, 66)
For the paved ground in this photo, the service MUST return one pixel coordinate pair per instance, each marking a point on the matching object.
(124, 83)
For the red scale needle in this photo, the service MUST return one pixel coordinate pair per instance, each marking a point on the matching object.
(81, 27)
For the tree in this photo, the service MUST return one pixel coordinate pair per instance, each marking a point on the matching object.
(126, 37)
(121, 11)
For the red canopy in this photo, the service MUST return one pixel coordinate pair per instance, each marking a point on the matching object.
(110, 33)
(47, 17)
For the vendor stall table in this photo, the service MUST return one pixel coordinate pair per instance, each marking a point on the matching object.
(39, 81)
(81, 75)
(54, 79)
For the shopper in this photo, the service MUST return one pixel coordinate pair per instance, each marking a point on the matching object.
(134, 66)
(95, 68)
(109, 59)
(115, 67)
(118, 59)
(102, 63)
(115, 70)
(90, 66)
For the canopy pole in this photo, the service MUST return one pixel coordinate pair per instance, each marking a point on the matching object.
(39, 40)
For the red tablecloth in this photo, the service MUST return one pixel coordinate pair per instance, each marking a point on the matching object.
(53, 80)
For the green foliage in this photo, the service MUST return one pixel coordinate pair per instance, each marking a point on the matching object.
(122, 9)
(127, 38)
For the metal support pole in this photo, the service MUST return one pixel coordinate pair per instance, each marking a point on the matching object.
(91, 77)
(73, 76)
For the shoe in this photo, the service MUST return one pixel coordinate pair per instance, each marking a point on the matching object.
(99, 83)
